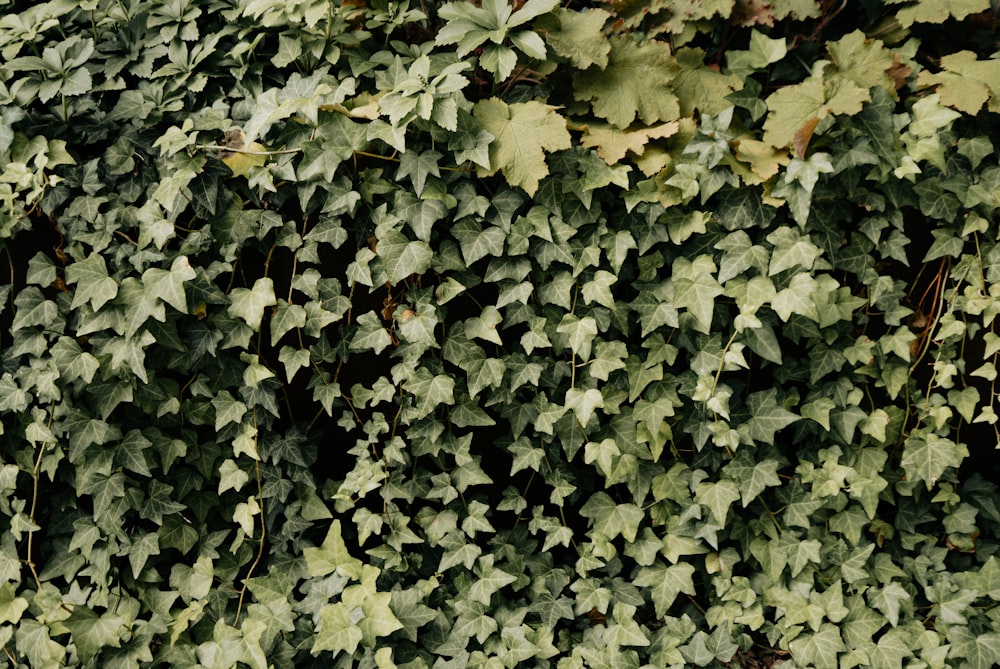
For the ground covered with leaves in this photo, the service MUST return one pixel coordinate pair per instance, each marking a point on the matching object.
(473, 334)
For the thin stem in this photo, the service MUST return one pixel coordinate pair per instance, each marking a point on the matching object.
(263, 531)
(246, 152)
(36, 475)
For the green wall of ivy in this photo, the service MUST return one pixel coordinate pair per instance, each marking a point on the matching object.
(472, 334)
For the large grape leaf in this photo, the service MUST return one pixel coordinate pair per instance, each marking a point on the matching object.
(938, 11)
(863, 61)
(636, 82)
(700, 87)
(577, 35)
(966, 83)
(524, 132)
(793, 109)
(614, 143)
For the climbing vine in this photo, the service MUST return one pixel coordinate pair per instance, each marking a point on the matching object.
(486, 334)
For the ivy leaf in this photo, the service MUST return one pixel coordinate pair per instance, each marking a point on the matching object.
(73, 362)
(740, 254)
(92, 632)
(580, 333)
(286, 317)
(227, 409)
(249, 304)
(129, 352)
(34, 641)
(927, 456)
(718, 497)
(41, 272)
(490, 580)
(762, 52)
(168, 285)
(610, 519)
(11, 606)
(336, 630)
(820, 649)
(401, 257)
(523, 132)
(979, 651)
(332, 556)
(636, 82)
(584, 402)
(767, 417)
(430, 391)
(797, 298)
(695, 289)
(141, 550)
(485, 325)
(378, 619)
(93, 283)
(753, 478)
(231, 476)
(371, 334)
(598, 289)
(665, 583)
(791, 249)
(418, 166)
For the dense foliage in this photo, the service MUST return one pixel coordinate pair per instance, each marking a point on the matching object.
(460, 334)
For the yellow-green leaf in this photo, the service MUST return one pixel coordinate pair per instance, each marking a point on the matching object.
(524, 132)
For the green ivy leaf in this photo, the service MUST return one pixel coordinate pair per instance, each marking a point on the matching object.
(584, 402)
(430, 391)
(332, 556)
(610, 519)
(927, 456)
(820, 649)
(93, 283)
(665, 583)
(249, 304)
(371, 334)
(695, 289)
(401, 257)
(580, 333)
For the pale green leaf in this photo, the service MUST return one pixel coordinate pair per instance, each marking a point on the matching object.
(401, 257)
(332, 556)
(610, 519)
(249, 304)
(523, 132)
(92, 280)
(636, 82)
(927, 456)
(665, 582)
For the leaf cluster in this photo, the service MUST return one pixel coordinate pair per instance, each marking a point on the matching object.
(455, 334)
